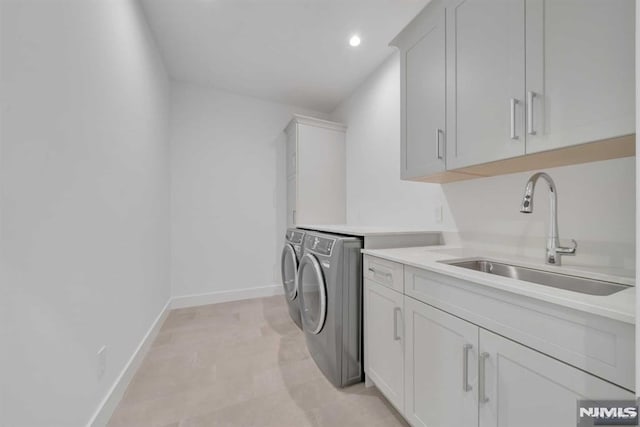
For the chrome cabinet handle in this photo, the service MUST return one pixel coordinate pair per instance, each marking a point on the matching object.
(482, 393)
(382, 273)
(440, 155)
(465, 367)
(513, 135)
(396, 336)
(530, 96)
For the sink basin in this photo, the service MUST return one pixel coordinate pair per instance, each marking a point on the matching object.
(582, 285)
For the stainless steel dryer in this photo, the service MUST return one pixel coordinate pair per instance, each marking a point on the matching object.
(330, 293)
(289, 261)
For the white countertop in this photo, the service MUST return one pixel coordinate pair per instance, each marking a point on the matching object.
(363, 230)
(619, 306)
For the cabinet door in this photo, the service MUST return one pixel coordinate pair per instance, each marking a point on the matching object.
(292, 150)
(525, 388)
(292, 190)
(485, 46)
(440, 368)
(321, 176)
(424, 93)
(580, 71)
(384, 341)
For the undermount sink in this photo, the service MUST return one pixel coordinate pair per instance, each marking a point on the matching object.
(582, 285)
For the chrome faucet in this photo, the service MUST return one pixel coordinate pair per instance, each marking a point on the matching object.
(554, 250)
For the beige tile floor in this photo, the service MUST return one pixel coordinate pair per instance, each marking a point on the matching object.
(241, 363)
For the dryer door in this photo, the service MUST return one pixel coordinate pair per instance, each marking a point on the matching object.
(313, 294)
(289, 271)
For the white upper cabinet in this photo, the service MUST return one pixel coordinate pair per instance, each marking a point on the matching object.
(316, 172)
(580, 71)
(423, 94)
(486, 81)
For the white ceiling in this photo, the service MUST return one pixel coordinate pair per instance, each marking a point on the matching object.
(290, 51)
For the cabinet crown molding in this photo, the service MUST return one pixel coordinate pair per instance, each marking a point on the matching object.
(313, 121)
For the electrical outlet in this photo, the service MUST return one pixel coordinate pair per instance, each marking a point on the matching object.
(102, 361)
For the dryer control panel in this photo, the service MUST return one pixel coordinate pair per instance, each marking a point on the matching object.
(295, 237)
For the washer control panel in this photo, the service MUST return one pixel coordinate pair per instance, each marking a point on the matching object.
(319, 245)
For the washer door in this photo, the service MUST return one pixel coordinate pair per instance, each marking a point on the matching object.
(289, 271)
(313, 294)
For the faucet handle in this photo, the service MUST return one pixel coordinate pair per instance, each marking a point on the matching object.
(568, 250)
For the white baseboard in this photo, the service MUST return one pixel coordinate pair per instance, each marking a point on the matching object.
(114, 395)
(225, 296)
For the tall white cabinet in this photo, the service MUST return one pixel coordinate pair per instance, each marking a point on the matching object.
(316, 171)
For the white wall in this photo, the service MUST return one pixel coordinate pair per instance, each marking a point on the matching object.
(596, 207)
(596, 201)
(84, 178)
(228, 190)
(375, 194)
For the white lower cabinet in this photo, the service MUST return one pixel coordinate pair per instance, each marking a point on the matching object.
(440, 368)
(384, 340)
(524, 388)
(458, 374)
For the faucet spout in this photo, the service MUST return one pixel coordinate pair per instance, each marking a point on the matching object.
(554, 250)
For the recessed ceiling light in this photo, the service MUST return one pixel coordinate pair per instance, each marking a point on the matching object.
(354, 40)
